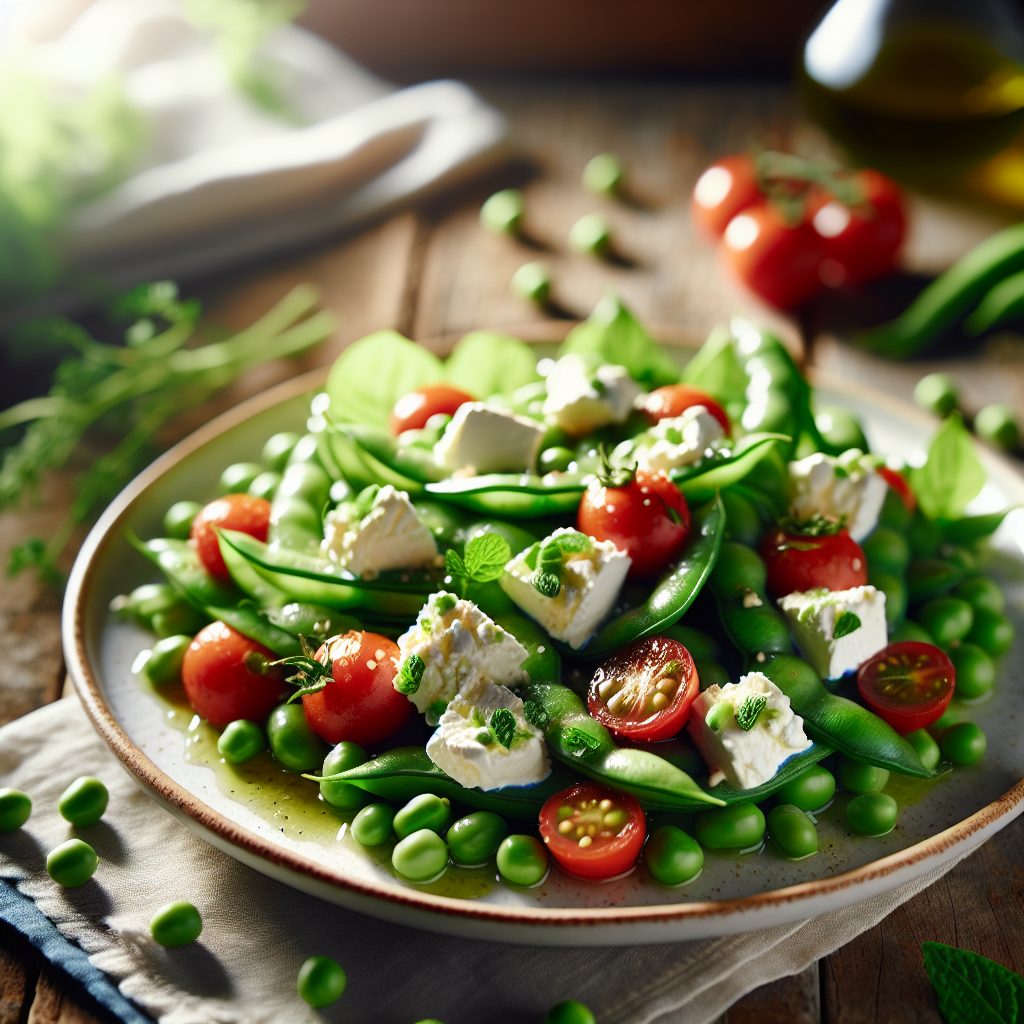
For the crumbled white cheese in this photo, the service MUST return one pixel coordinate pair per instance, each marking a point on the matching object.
(387, 536)
(845, 487)
(584, 394)
(679, 440)
(460, 650)
(590, 574)
(469, 746)
(812, 617)
(483, 439)
(745, 757)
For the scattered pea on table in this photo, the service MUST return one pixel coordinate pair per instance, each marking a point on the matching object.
(591, 235)
(936, 392)
(15, 809)
(569, 1012)
(532, 282)
(321, 981)
(84, 801)
(176, 924)
(502, 213)
(72, 863)
(603, 174)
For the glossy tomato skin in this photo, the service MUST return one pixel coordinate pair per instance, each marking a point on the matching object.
(908, 684)
(776, 261)
(240, 512)
(640, 668)
(899, 484)
(648, 518)
(361, 705)
(412, 411)
(835, 562)
(606, 856)
(219, 680)
(674, 399)
(726, 188)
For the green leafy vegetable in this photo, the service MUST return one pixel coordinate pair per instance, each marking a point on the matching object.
(410, 675)
(952, 474)
(749, 712)
(972, 989)
(716, 370)
(485, 363)
(546, 583)
(846, 623)
(485, 559)
(503, 725)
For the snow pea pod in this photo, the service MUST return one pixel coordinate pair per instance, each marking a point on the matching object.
(671, 596)
(1002, 303)
(256, 626)
(849, 728)
(587, 746)
(358, 466)
(795, 766)
(513, 495)
(972, 528)
(181, 565)
(410, 460)
(711, 474)
(247, 579)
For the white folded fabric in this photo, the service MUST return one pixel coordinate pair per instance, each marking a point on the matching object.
(257, 932)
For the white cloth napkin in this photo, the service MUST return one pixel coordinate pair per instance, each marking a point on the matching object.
(257, 932)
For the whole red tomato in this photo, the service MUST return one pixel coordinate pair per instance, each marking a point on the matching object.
(674, 399)
(728, 186)
(240, 512)
(772, 258)
(225, 677)
(647, 517)
(412, 411)
(798, 563)
(360, 703)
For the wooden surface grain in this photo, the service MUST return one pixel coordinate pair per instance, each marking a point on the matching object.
(435, 273)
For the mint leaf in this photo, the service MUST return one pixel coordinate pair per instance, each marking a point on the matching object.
(952, 474)
(749, 712)
(846, 623)
(454, 564)
(547, 584)
(503, 725)
(579, 742)
(971, 989)
(486, 557)
(410, 675)
(485, 363)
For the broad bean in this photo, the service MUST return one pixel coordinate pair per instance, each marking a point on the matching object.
(420, 856)
(426, 811)
(372, 826)
(793, 831)
(872, 814)
(963, 744)
(474, 839)
(740, 826)
(858, 777)
(975, 671)
(809, 791)
(672, 856)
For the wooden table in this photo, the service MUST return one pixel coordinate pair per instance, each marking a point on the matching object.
(435, 274)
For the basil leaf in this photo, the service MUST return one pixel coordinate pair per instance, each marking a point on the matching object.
(846, 624)
(952, 474)
(486, 557)
(972, 989)
(716, 370)
(485, 363)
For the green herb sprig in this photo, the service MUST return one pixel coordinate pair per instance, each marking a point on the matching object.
(846, 623)
(486, 556)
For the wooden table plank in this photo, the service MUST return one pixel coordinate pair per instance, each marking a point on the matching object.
(17, 978)
(792, 1000)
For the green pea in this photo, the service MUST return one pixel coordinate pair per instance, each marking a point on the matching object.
(894, 513)
(522, 860)
(277, 450)
(872, 814)
(895, 591)
(810, 790)
(292, 741)
(963, 744)
(840, 428)
(305, 452)
(982, 594)
(176, 924)
(555, 460)
(672, 856)
(858, 777)
(737, 827)
(265, 485)
(590, 235)
(178, 519)
(603, 174)
(426, 811)
(924, 535)
(15, 809)
(887, 550)
(908, 630)
(421, 856)
(502, 213)
(240, 741)
(742, 523)
(321, 981)
(927, 749)
(164, 664)
(84, 801)
(793, 831)
(475, 839)
(305, 480)
(237, 477)
(992, 632)
(947, 619)
(710, 673)
(72, 863)
(181, 620)
(569, 1012)
(975, 671)
(372, 825)
(150, 599)
(998, 425)
(936, 392)
(344, 795)
(292, 511)
(532, 282)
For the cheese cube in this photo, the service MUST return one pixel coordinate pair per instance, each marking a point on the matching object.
(679, 440)
(470, 745)
(483, 439)
(846, 487)
(584, 394)
(590, 574)
(743, 749)
(813, 616)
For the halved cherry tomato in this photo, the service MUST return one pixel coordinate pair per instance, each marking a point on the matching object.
(728, 186)
(674, 399)
(360, 704)
(899, 484)
(644, 691)
(412, 411)
(648, 518)
(593, 832)
(835, 562)
(225, 679)
(909, 684)
(239, 512)
(777, 261)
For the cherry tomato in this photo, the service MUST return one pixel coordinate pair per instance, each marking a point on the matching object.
(835, 562)
(778, 262)
(361, 705)
(899, 484)
(861, 242)
(674, 399)
(593, 832)
(240, 512)
(645, 690)
(412, 411)
(224, 679)
(648, 518)
(728, 186)
(907, 684)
